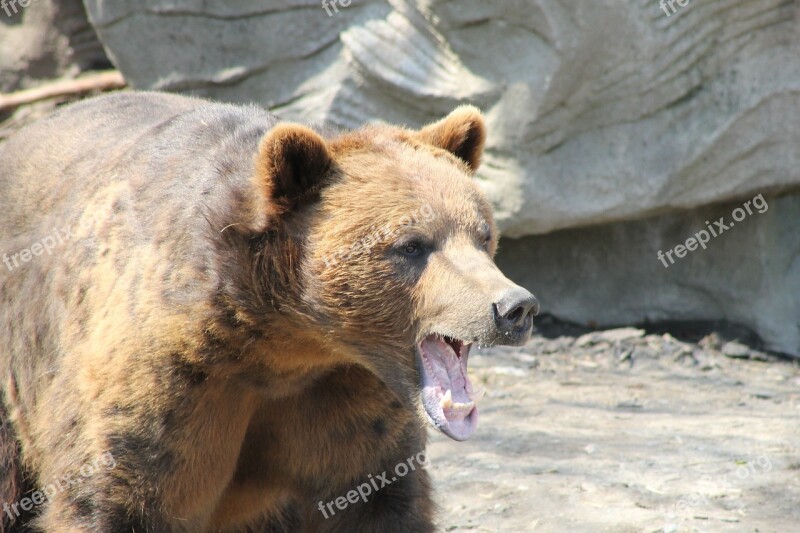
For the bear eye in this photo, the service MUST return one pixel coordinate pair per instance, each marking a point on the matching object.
(487, 241)
(411, 248)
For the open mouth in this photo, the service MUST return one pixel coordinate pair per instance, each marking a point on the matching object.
(447, 394)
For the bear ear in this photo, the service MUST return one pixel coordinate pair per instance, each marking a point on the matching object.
(461, 133)
(292, 165)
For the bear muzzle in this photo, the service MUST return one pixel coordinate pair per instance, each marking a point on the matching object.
(449, 399)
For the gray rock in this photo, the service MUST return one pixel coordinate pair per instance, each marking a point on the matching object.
(588, 128)
(43, 40)
(620, 334)
(736, 350)
(586, 340)
(610, 275)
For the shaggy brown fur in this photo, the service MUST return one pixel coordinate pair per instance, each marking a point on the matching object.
(190, 322)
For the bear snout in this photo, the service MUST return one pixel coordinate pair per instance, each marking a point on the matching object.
(513, 316)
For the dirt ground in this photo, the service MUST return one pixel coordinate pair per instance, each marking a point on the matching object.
(623, 431)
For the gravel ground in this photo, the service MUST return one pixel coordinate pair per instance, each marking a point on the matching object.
(625, 431)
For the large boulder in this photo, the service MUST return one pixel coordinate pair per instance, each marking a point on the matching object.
(611, 274)
(587, 125)
(598, 112)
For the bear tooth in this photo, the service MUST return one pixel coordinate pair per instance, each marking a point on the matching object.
(447, 400)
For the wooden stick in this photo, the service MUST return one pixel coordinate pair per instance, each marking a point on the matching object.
(101, 81)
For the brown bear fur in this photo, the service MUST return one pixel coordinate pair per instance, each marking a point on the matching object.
(189, 321)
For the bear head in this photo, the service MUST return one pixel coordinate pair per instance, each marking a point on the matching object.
(380, 248)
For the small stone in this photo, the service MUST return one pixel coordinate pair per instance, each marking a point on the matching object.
(619, 334)
(509, 371)
(600, 347)
(669, 338)
(710, 342)
(586, 340)
(736, 350)
(644, 352)
(525, 358)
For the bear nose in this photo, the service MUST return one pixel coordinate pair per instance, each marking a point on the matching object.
(514, 308)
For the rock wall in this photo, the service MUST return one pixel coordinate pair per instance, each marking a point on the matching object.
(611, 274)
(623, 118)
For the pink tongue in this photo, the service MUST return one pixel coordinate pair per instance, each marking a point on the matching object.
(447, 370)
(442, 371)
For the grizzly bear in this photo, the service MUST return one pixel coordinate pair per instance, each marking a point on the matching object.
(213, 320)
